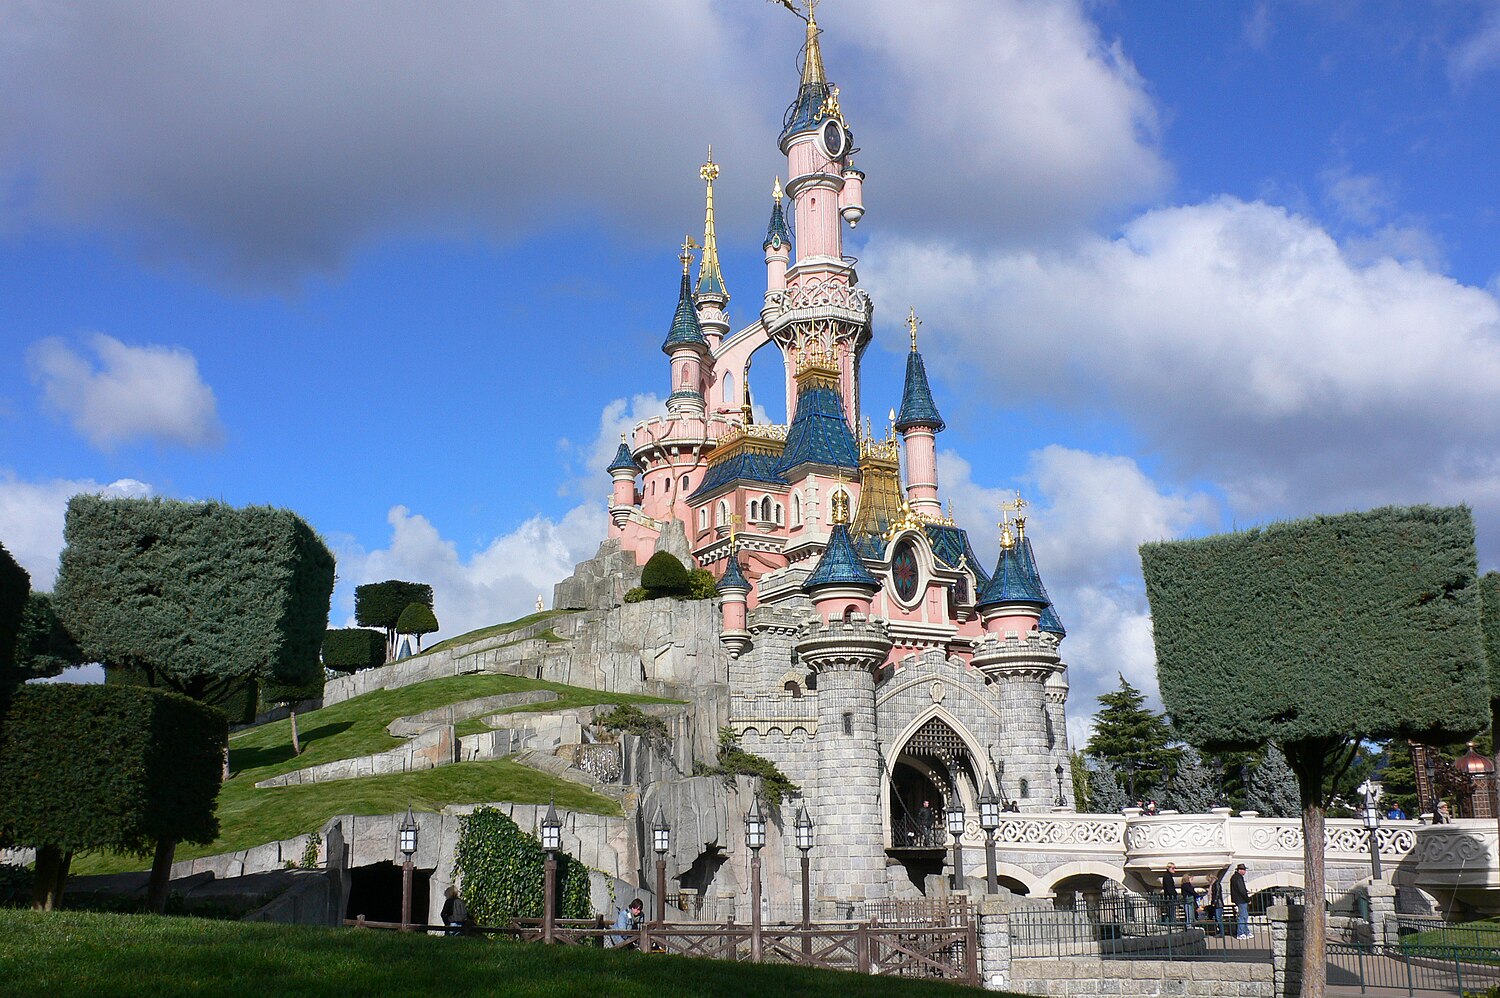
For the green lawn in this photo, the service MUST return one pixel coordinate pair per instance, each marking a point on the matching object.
(249, 817)
(66, 953)
(496, 630)
(1481, 934)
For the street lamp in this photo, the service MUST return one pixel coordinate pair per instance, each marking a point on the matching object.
(1060, 801)
(661, 840)
(804, 828)
(551, 843)
(956, 829)
(1372, 826)
(1129, 767)
(406, 841)
(989, 820)
(755, 838)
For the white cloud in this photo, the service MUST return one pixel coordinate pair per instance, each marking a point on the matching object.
(589, 461)
(495, 119)
(1239, 341)
(132, 393)
(32, 515)
(1478, 53)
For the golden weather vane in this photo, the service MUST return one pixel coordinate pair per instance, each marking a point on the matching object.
(686, 256)
(1011, 508)
(912, 322)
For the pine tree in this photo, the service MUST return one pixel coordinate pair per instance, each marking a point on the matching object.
(1134, 740)
(1273, 787)
(1191, 789)
(1106, 796)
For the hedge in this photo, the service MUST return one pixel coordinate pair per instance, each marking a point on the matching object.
(1489, 600)
(109, 767)
(1358, 625)
(379, 604)
(417, 618)
(664, 575)
(502, 868)
(15, 584)
(44, 647)
(350, 649)
(200, 597)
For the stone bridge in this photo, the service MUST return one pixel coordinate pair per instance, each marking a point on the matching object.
(1044, 854)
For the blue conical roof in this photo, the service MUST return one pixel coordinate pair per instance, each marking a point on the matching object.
(840, 564)
(1050, 622)
(623, 461)
(917, 407)
(819, 434)
(777, 233)
(1012, 582)
(734, 579)
(685, 329)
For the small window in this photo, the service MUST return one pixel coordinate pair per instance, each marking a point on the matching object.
(848, 723)
(754, 509)
(778, 514)
(723, 513)
(1025, 788)
(728, 388)
(796, 510)
(765, 507)
(790, 686)
(703, 518)
(684, 483)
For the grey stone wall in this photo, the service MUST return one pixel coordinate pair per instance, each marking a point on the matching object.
(1089, 977)
(1286, 949)
(851, 859)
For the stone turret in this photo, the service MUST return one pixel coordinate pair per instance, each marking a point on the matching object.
(622, 471)
(846, 654)
(734, 589)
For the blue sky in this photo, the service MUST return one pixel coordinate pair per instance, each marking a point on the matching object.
(1182, 266)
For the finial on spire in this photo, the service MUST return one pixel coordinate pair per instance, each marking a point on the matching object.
(776, 189)
(686, 256)
(1009, 509)
(709, 171)
(710, 278)
(912, 322)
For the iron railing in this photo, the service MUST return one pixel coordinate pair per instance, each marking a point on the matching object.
(1139, 927)
(1454, 969)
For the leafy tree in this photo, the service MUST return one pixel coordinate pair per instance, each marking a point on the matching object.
(1191, 789)
(1078, 769)
(702, 584)
(1134, 740)
(15, 584)
(290, 696)
(417, 619)
(735, 761)
(379, 604)
(664, 575)
(1106, 796)
(107, 767)
(44, 647)
(1318, 635)
(1273, 787)
(351, 649)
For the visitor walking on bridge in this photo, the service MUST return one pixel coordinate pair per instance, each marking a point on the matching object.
(1240, 895)
(1169, 893)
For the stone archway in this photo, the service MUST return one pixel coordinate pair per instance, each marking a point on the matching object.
(933, 769)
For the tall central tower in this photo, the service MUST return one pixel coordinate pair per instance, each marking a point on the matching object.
(821, 308)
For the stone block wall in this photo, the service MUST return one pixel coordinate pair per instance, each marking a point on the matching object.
(1286, 949)
(1090, 977)
(851, 857)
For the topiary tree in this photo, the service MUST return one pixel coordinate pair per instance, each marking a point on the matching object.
(417, 619)
(1273, 787)
(351, 649)
(15, 585)
(107, 767)
(664, 575)
(44, 648)
(291, 696)
(1316, 635)
(379, 604)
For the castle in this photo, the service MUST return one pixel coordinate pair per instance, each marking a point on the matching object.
(872, 657)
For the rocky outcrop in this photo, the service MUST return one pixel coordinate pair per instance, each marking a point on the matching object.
(413, 724)
(434, 747)
(673, 540)
(601, 582)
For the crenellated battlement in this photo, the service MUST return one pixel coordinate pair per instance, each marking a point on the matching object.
(853, 643)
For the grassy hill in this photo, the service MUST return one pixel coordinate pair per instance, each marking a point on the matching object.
(65, 953)
(249, 816)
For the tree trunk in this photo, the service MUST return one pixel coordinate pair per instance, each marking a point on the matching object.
(224, 776)
(44, 883)
(161, 876)
(296, 742)
(1309, 761)
(60, 880)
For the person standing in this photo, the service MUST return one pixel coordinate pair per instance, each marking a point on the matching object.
(1169, 893)
(455, 913)
(1189, 901)
(1240, 895)
(924, 823)
(1216, 900)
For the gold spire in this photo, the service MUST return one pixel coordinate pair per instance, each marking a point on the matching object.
(812, 67)
(747, 412)
(912, 322)
(776, 189)
(686, 256)
(710, 278)
(1007, 510)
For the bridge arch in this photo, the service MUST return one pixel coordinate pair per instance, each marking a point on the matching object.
(1084, 868)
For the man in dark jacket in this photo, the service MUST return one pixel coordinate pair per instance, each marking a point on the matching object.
(1240, 895)
(1169, 892)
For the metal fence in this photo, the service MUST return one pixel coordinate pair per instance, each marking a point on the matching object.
(1140, 927)
(1412, 968)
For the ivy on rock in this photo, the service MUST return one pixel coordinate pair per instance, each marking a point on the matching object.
(502, 869)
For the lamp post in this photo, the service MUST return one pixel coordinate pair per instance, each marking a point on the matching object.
(956, 829)
(661, 840)
(1372, 826)
(755, 838)
(1430, 763)
(804, 829)
(406, 841)
(989, 820)
(1060, 801)
(1129, 766)
(551, 843)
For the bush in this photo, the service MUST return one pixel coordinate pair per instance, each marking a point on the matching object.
(631, 720)
(637, 595)
(43, 646)
(735, 761)
(239, 703)
(200, 597)
(15, 584)
(379, 604)
(702, 584)
(417, 618)
(350, 649)
(109, 767)
(501, 868)
(664, 575)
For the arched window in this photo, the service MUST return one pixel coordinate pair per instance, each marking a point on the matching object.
(796, 510)
(723, 512)
(1025, 788)
(765, 507)
(703, 518)
(754, 509)
(729, 388)
(850, 611)
(684, 483)
(790, 686)
(779, 514)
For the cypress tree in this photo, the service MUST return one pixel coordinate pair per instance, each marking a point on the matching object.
(1191, 789)
(1106, 796)
(15, 585)
(1317, 635)
(1133, 739)
(44, 648)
